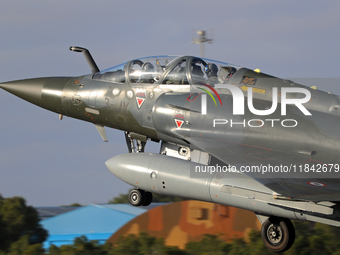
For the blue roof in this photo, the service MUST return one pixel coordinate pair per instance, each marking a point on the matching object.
(96, 222)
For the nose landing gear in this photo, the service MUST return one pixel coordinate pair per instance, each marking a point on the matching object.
(134, 147)
(278, 234)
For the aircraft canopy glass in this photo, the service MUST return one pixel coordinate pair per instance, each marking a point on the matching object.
(143, 70)
(183, 70)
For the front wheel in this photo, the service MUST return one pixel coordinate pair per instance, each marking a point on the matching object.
(136, 197)
(278, 234)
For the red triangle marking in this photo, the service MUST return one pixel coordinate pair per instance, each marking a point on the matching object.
(179, 123)
(140, 101)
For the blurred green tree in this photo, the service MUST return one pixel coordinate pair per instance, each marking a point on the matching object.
(23, 247)
(210, 244)
(18, 220)
(143, 244)
(72, 205)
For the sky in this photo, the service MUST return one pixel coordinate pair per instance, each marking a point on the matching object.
(51, 162)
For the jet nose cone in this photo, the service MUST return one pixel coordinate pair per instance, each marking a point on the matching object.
(29, 90)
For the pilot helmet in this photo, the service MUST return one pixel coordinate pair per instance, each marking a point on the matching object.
(211, 69)
(147, 67)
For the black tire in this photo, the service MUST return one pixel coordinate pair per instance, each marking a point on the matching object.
(278, 234)
(147, 198)
(291, 234)
(136, 197)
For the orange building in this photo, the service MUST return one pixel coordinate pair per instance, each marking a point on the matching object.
(181, 222)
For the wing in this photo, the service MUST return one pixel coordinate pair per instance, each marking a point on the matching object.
(254, 161)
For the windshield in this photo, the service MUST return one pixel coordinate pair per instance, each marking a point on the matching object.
(113, 74)
(143, 70)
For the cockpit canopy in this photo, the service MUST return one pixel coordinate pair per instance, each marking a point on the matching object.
(183, 70)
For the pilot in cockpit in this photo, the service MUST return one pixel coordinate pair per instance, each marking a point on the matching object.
(147, 73)
(197, 74)
(211, 71)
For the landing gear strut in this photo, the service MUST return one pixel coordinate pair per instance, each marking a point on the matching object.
(138, 197)
(278, 234)
(134, 145)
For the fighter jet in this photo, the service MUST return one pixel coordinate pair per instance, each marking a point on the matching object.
(228, 135)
